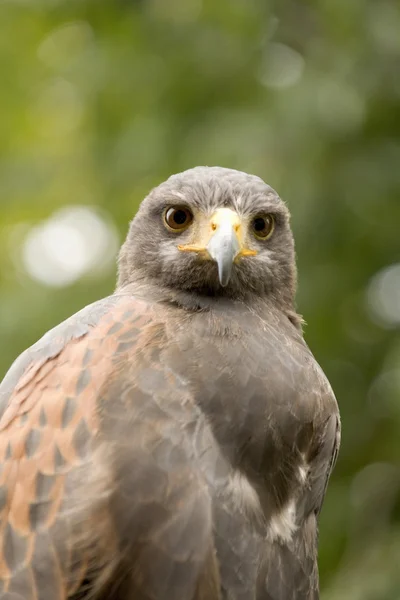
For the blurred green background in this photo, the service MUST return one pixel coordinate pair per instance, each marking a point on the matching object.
(100, 101)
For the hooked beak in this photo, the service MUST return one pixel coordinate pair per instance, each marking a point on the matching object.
(224, 244)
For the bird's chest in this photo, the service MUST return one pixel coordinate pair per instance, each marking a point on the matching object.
(248, 381)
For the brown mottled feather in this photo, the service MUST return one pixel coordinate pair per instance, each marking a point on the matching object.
(58, 396)
(57, 486)
(116, 467)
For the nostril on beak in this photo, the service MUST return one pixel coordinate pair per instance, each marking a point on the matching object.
(213, 226)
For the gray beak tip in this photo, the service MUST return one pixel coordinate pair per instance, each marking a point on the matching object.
(223, 252)
(223, 277)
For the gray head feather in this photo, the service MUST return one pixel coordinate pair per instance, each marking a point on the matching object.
(150, 254)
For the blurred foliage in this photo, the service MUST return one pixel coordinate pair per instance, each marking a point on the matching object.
(100, 101)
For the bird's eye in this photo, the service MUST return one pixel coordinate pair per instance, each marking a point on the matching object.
(263, 226)
(177, 218)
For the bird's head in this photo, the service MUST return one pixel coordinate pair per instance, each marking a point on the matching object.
(212, 231)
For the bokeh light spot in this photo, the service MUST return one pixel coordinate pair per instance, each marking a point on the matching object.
(74, 241)
(282, 67)
(383, 296)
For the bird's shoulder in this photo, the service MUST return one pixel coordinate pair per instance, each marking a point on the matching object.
(87, 340)
(67, 408)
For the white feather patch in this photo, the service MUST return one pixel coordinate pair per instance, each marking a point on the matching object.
(303, 470)
(244, 495)
(283, 524)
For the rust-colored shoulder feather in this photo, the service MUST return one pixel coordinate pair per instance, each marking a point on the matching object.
(46, 432)
(95, 469)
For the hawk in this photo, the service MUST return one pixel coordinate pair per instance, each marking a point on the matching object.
(173, 441)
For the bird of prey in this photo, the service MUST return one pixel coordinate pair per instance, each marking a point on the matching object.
(173, 441)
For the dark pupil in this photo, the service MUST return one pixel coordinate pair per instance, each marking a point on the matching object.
(179, 217)
(259, 224)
